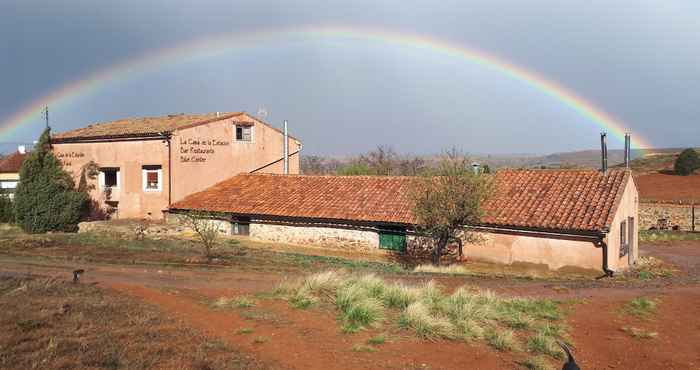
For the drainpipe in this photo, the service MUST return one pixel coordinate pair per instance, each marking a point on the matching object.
(286, 149)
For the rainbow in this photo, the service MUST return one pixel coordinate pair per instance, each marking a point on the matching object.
(215, 46)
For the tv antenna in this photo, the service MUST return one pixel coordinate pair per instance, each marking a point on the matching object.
(45, 115)
(262, 113)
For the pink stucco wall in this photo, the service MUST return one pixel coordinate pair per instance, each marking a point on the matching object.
(200, 156)
(629, 207)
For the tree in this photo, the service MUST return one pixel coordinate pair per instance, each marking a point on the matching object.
(687, 162)
(381, 161)
(46, 198)
(448, 200)
(206, 228)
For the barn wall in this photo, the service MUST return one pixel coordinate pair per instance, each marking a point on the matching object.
(677, 215)
(331, 237)
(550, 253)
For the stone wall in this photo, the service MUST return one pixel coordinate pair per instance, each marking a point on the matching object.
(332, 237)
(675, 214)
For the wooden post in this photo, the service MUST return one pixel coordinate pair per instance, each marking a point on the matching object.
(692, 217)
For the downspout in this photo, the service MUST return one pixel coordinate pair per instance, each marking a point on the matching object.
(603, 244)
(170, 170)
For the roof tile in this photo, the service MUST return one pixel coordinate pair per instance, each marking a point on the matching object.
(571, 200)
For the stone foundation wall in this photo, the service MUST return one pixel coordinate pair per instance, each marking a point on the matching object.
(331, 237)
(675, 214)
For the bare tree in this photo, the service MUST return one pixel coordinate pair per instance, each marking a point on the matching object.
(448, 200)
(205, 227)
(381, 161)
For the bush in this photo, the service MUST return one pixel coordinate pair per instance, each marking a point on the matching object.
(46, 198)
(687, 162)
(7, 212)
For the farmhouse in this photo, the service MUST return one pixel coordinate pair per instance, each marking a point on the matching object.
(9, 171)
(145, 164)
(556, 218)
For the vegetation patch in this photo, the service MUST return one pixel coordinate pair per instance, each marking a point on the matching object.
(363, 348)
(235, 302)
(536, 363)
(453, 269)
(641, 307)
(666, 235)
(377, 340)
(639, 333)
(242, 331)
(52, 324)
(366, 301)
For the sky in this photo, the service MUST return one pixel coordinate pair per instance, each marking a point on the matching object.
(343, 95)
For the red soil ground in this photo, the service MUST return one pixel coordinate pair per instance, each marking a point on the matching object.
(311, 339)
(661, 187)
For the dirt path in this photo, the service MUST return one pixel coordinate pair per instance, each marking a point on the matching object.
(312, 339)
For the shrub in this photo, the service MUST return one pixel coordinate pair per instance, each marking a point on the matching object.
(687, 162)
(7, 212)
(46, 198)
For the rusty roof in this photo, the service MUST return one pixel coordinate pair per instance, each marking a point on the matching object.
(12, 163)
(141, 127)
(568, 200)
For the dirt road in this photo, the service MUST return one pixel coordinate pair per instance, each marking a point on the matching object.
(311, 339)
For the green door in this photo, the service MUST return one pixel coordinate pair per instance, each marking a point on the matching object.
(392, 240)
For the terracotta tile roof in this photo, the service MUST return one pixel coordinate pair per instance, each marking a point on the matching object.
(534, 199)
(145, 126)
(12, 162)
(360, 198)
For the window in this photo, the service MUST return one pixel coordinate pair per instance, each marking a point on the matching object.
(394, 240)
(241, 226)
(152, 178)
(109, 178)
(624, 247)
(244, 133)
(8, 187)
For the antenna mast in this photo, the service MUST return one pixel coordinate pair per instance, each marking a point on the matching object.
(45, 113)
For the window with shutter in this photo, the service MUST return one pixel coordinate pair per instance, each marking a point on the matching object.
(152, 178)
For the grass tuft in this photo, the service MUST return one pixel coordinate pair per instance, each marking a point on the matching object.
(377, 340)
(544, 345)
(536, 363)
(417, 316)
(244, 331)
(641, 307)
(450, 269)
(502, 340)
(640, 333)
(426, 310)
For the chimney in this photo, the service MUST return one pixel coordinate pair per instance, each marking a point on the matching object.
(22, 149)
(604, 152)
(476, 168)
(286, 149)
(628, 151)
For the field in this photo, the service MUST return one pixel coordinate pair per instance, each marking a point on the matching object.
(153, 304)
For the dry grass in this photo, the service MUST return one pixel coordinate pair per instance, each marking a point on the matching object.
(640, 333)
(52, 324)
(453, 269)
(426, 310)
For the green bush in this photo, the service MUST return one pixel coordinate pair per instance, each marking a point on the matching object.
(7, 212)
(687, 162)
(46, 198)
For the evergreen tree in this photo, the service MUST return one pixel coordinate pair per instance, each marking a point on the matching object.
(46, 198)
(687, 162)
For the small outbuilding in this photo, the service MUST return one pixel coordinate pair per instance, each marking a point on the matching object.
(560, 219)
(9, 172)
